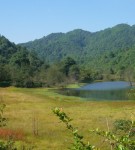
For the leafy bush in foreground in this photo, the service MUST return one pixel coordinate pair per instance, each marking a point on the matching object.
(121, 142)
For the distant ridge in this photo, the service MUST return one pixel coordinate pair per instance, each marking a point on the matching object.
(111, 45)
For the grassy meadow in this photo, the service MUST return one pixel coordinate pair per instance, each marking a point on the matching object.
(29, 111)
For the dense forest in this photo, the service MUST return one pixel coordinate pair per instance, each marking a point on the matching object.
(62, 58)
(22, 68)
(18, 66)
(112, 48)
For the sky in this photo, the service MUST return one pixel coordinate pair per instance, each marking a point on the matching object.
(25, 20)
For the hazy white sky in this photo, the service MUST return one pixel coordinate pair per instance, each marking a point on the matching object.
(25, 20)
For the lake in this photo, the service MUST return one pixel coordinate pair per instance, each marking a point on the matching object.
(111, 90)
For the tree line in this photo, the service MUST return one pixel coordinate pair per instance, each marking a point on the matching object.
(22, 68)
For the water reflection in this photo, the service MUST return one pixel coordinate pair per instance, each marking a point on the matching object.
(117, 90)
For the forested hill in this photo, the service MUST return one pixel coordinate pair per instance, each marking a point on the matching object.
(18, 66)
(74, 56)
(107, 47)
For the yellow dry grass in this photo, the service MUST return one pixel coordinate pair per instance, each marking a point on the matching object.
(28, 107)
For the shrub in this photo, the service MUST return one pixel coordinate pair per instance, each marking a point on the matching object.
(121, 142)
(125, 126)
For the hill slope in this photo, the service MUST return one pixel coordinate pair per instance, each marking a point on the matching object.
(18, 66)
(91, 49)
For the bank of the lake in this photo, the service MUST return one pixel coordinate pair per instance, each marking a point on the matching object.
(106, 90)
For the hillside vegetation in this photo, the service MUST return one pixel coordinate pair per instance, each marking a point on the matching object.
(112, 48)
(22, 68)
(76, 56)
(17, 65)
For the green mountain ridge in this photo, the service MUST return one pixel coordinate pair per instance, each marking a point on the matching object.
(91, 49)
(76, 55)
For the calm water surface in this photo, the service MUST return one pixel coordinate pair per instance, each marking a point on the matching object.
(111, 90)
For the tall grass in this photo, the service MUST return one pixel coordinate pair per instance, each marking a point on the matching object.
(23, 105)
